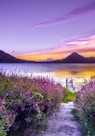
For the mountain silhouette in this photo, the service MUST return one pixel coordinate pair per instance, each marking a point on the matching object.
(7, 58)
(4, 57)
(75, 58)
(72, 58)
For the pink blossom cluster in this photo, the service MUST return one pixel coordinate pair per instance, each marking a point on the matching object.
(21, 94)
(85, 105)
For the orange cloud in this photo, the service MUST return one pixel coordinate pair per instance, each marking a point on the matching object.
(84, 46)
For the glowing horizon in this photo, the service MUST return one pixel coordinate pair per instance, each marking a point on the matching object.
(51, 29)
(83, 46)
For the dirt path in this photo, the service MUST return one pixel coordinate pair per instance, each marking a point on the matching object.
(61, 123)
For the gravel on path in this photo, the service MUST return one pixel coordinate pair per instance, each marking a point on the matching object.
(61, 123)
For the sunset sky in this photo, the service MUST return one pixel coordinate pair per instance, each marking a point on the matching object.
(47, 29)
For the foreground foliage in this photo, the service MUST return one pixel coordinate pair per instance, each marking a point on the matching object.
(24, 101)
(85, 106)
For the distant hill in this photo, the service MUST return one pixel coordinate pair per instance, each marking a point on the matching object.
(4, 57)
(72, 58)
(75, 58)
(7, 58)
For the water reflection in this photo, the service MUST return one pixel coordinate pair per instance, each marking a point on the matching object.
(59, 72)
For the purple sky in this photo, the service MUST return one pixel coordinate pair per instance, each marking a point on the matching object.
(35, 25)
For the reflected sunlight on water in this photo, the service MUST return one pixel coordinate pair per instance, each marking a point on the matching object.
(59, 72)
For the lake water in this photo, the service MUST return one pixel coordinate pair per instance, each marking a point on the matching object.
(59, 72)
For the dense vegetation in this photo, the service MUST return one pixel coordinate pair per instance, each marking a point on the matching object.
(85, 107)
(26, 100)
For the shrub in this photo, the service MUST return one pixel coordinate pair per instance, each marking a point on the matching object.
(25, 100)
(85, 105)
